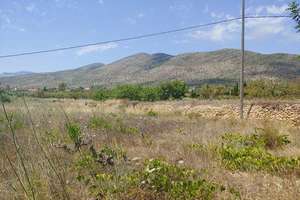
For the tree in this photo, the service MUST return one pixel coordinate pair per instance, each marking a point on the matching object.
(174, 89)
(294, 9)
(62, 87)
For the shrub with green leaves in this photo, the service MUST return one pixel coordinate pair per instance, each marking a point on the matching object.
(151, 93)
(248, 153)
(152, 113)
(99, 123)
(4, 97)
(101, 94)
(176, 182)
(156, 179)
(74, 132)
(173, 89)
(131, 92)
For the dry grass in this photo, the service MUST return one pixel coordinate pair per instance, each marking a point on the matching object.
(174, 134)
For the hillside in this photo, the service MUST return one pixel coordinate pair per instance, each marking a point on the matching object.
(217, 66)
(7, 74)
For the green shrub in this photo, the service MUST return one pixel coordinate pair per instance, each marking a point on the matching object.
(173, 89)
(101, 94)
(124, 128)
(152, 113)
(151, 93)
(74, 132)
(99, 123)
(176, 182)
(131, 92)
(272, 137)
(249, 153)
(4, 97)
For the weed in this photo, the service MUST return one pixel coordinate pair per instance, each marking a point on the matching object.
(272, 137)
(74, 133)
(99, 123)
(152, 113)
(249, 153)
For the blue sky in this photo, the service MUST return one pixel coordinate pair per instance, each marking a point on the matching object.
(28, 25)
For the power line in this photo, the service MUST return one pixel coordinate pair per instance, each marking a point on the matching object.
(140, 36)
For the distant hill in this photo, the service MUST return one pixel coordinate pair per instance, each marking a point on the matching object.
(6, 74)
(199, 67)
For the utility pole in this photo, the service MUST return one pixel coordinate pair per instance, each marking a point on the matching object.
(243, 62)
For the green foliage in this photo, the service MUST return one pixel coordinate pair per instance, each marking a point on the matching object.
(74, 132)
(101, 94)
(151, 93)
(131, 92)
(271, 88)
(151, 113)
(113, 125)
(176, 182)
(294, 9)
(215, 91)
(272, 137)
(173, 90)
(156, 179)
(4, 97)
(99, 123)
(62, 86)
(178, 90)
(116, 153)
(248, 153)
(122, 127)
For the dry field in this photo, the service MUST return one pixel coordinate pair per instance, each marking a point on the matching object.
(120, 141)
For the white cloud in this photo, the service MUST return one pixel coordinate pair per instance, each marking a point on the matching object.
(276, 9)
(31, 7)
(256, 29)
(268, 9)
(218, 33)
(131, 20)
(101, 1)
(135, 19)
(141, 15)
(262, 28)
(7, 23)
(96, 48)
(180, 7)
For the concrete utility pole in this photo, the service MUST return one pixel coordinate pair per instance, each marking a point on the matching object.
(243, 62)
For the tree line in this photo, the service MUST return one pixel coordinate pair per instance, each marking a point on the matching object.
(173, 90)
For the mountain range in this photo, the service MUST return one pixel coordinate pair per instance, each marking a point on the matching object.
(10, 74)
(194, 68)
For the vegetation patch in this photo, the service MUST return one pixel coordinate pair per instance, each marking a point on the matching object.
(116, 125)
(156, 179)
(99, 123)
(249, 152)
(152, 113)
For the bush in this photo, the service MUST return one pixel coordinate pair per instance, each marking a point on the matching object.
(156, 179)
(151, 113)
(248, 153)
(151, 93)
(176, 182)
(4, 97)
(131, 92)
(214, 91)
(101, 94)
(99, 123)
(74, 132)
(174, 90)
(272, 88)
(272, 137)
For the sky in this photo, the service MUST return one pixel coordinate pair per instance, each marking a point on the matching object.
(30, 25)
